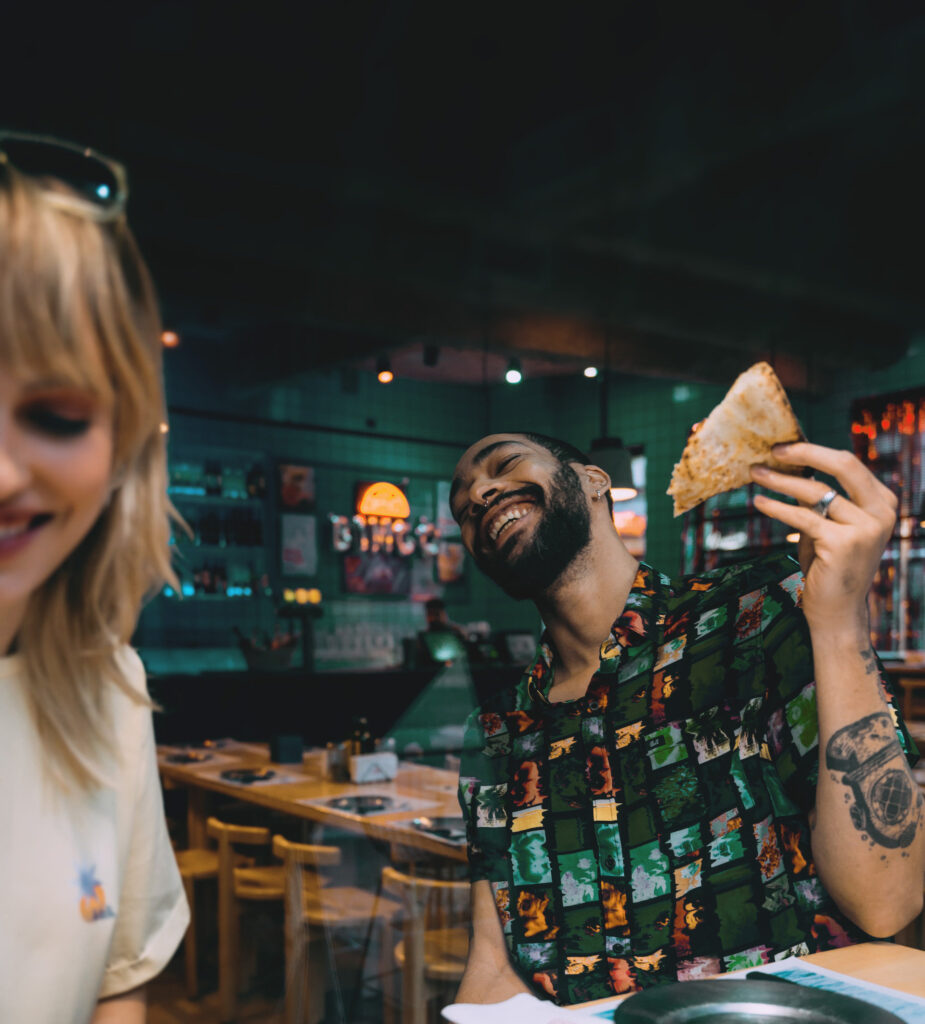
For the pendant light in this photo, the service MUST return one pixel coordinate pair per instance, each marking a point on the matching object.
(608, 452)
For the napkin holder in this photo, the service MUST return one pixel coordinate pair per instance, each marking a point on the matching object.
(381, 766)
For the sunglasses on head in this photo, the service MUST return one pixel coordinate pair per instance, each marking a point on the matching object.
(98, 186)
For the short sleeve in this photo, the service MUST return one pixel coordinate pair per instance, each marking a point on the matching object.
(152, 913)
(792, 726)
(483, 795)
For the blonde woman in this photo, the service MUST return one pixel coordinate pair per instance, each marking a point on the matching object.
(93, 905)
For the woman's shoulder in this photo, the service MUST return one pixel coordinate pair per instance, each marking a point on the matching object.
(132, 669)
(131, 698)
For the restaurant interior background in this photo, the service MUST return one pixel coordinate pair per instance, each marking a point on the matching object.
(665, 192)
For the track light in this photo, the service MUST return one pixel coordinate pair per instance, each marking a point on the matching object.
(590, 372)
(513, 374)
(384, 371)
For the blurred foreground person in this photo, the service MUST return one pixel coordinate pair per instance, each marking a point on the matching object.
(695, 775)
(94, 905)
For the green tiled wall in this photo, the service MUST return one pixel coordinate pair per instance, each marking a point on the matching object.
(658, 412)
(350, 428)
(354, 428)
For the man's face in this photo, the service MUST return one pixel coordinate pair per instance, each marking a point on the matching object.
(524, 516)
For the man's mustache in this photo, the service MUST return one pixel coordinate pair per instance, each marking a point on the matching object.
(530, 491)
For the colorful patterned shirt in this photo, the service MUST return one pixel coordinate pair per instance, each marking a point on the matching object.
(656, 829)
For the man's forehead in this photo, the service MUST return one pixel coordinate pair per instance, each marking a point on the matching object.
(478, 452)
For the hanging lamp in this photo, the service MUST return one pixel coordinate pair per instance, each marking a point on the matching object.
(608, 452)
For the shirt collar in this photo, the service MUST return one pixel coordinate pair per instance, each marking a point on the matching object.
(634, 624)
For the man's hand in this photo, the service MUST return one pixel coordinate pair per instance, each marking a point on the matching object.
(839, 553)
(868, 822)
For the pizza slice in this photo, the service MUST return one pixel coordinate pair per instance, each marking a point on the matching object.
(755, 415)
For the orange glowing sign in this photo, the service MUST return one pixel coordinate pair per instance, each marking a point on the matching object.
(383, 499)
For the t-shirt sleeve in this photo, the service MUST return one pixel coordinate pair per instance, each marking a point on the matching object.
(483, 794)
(152, 914)
(792, 729)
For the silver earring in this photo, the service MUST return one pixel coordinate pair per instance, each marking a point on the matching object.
(597, 495)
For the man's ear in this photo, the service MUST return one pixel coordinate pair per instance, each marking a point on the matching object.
(600, 481)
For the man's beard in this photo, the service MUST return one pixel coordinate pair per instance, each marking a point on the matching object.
(563, 531)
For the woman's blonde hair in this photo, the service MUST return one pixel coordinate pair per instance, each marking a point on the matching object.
(76, 302)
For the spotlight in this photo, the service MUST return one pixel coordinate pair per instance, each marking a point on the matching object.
(384, 371)
(170, 339)
(793, 538)
(591, 371)
(513, 374)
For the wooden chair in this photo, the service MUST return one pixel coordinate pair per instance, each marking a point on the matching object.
(311, 907)
(194, 865)
(239, 882)
(431, 954)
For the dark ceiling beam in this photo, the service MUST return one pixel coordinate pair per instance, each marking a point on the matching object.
(633, 173)
(343, 305)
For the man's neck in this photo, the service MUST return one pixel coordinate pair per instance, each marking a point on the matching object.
(580, 609)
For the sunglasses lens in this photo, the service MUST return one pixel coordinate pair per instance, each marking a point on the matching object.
(91, 178)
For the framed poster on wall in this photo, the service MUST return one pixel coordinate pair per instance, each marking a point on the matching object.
(296, 488)
(298, 545)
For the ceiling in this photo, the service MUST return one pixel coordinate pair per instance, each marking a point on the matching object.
(667, 189)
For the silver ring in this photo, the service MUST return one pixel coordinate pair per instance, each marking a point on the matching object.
(822, 505)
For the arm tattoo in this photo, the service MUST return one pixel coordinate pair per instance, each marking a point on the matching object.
(870, 662)
(886, 799)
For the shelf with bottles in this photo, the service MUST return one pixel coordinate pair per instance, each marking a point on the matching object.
(218, 579)
(897, 595)
(728, 528)
(888, 435)
(216, 480)
(211, 527)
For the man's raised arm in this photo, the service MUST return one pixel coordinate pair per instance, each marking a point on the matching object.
(868, 822)
(489, 976)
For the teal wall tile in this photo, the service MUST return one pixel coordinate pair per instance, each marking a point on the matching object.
(351, 428)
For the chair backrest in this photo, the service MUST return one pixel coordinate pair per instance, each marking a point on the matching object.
(435, 912)
(247, 835)
(306, 855)
(430, 903)
(302, 862)
(228, 837)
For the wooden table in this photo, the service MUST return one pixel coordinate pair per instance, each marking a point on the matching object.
(883, 963)
(426, 790)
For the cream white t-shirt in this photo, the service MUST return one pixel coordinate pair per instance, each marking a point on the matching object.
(92, 904)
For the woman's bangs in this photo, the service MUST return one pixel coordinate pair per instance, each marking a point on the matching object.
(38, 351)
(46, 328)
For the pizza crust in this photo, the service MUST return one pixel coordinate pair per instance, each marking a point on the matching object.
(755, 415)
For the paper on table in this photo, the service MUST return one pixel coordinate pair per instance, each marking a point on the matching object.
(519, 1009)
(910, 1008)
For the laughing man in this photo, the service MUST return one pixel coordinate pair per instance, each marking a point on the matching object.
(693, 776)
